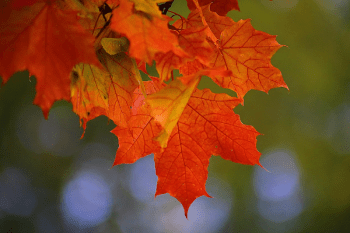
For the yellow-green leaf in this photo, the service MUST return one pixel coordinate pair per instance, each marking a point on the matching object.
(115, 45)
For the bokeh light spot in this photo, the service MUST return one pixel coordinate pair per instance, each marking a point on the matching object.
(143, 179)
(281, 182)
(165, 213)
(87, 200)
(278, 190)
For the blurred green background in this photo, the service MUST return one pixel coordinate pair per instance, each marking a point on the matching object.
(51, 181)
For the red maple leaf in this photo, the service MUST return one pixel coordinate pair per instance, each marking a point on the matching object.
(46, 41)
(105, 91)
(148, 34)
(57, 41)
(247, 53)
(241, 49)
(221, 7)
(137, 140)
(207, 127)
(215, 22)
(191, 40)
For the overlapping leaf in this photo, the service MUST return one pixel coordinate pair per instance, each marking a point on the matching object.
(193, 41)
(247, 53)
(149, 6)
(242, 49)
(181, 125)
(94, 21)
(206, 126)
(148, 35)
(168, 104)
(46, 41)
(115, 45)
(106, 91)
(191, 67)
(215, 22)
(221, 7)
(137, 140)
(182, 167)
(201, 132)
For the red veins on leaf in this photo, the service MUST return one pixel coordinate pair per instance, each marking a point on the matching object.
(90, 53)
(107, 91)
(247, 53)
(46, 41)
(216, 23)
(193, 41)
(137, 140)
(182, 166)
(148, 34)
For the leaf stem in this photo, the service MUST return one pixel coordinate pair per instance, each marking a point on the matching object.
(182, 19)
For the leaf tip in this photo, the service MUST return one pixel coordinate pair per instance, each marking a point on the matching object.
(45, 113)
(186, 212)
(84, 127)
(82, 136)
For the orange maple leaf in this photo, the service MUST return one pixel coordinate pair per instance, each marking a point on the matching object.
(215, 22)
(168, 104)
(148, 35)
(206, 127)
(241, 49)
(106, 91)
(191, 40)
(247, 53)
(191, 67)
(137, 140)
(48, 42)
(148, 6)
(181, 125)
(221, 7)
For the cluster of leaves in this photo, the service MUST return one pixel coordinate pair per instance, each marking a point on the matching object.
(90, 53)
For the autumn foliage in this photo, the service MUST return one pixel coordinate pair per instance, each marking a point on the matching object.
(90, 53)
